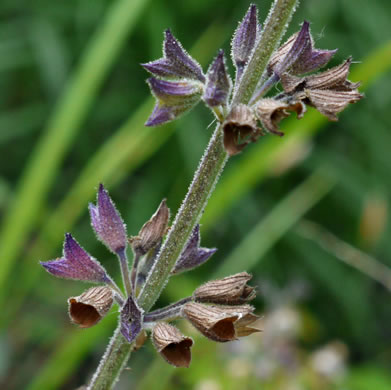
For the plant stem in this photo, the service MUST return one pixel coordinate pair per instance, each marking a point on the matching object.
(274, 28)
(112, 363)
(188, 216)
(204, 181)
(123, 260)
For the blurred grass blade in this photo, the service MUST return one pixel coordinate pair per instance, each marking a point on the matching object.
(62, 128)
(281, 219)
(345, 252)
(257, 161)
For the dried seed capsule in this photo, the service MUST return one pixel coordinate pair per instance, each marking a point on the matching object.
(89, 308)
(240, 128)
(221, 323)
(172, 344)
(231, 290)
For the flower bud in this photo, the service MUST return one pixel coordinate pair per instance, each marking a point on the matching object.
(240, 128)
(244, 39)
(232, 290)
(172, 344)
(193, 256)
(131, 320)
(76, 263)
(221, 323)
(107, 222)
(153, 231)
(89, 308)
(218, 83)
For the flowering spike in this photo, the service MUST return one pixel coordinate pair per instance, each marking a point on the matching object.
(107, 222)
(218, 83)
(131, 320)
(76, 264)
(244, 38)
(152, 231)
(174, 98)
(297, 55)
(90, 307)
(176, 62)
(172, 344)
(193, 256)
(232, 290)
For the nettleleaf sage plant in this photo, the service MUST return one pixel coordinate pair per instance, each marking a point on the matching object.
(218, 309)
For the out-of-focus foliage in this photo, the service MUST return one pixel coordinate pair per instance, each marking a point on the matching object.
(72, 106)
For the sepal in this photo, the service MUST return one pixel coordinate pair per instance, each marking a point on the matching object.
(107, 222)
(193, 255)
(76, 264)
(176, 62)
(218, 83)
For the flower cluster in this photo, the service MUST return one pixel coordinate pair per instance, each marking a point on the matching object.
(178, 84)
(218, 309)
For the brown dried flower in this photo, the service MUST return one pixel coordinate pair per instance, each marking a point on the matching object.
(329, 92)
(89, 308)
(240, 128)
(172, 344)
(271, 111)
(221, 323)
(231, 290)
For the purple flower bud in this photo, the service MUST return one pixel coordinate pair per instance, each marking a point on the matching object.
(176, 62)
(131, 320)
(243, 41)
(76, 264)
(193, 256)
(297, 55)
(107, 222)
(174, 98)
(218, 83)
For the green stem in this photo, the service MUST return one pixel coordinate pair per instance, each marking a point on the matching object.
(274, 28)
(112, 363)
(205, 179)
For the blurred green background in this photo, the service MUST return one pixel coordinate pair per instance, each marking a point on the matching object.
(306, 214)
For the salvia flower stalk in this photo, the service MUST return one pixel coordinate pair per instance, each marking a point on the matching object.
(245, 110)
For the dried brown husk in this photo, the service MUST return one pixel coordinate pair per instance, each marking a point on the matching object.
(89, 308)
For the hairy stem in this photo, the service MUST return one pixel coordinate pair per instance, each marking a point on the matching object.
(274, 28)
(204, 181)
(123, 260)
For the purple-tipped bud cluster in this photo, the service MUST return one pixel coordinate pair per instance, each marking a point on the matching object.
(107, 222)
(193, 255)
(76, 263)
(181, 84)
